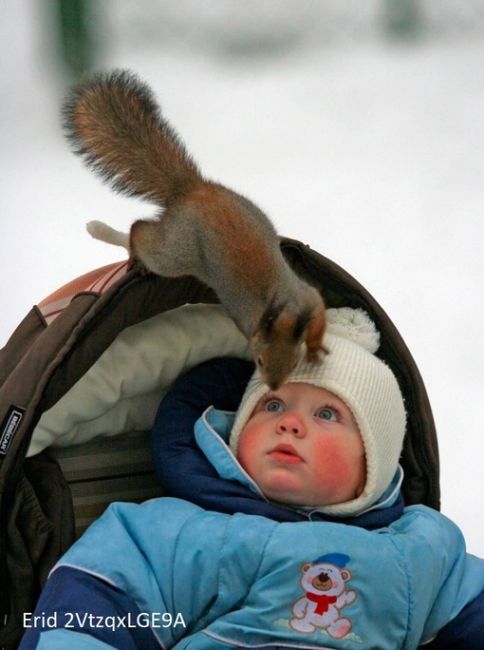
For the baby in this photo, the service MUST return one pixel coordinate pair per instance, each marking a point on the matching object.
(302, 445)
(331, 437)
(288, 528)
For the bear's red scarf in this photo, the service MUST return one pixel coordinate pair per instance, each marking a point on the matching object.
(322, 602)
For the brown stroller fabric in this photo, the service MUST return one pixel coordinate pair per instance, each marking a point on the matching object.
(52, 348)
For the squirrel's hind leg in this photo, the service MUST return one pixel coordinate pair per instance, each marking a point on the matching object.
(102, 231)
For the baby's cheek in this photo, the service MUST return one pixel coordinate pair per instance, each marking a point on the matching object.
(334, 467)
(248, 447)
(246, 456)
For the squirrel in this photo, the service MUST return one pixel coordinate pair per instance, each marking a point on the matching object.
(203, 229)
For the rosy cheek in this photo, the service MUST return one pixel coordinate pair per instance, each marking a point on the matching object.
(336, 465)
(248, 449)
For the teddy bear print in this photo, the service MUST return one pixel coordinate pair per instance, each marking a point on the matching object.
(324, 582)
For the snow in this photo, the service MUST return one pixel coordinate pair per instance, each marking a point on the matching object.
(369, 150)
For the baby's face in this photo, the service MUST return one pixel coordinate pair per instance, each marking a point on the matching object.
(302, 446)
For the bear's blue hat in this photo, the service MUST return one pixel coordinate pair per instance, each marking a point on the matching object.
(338, 559)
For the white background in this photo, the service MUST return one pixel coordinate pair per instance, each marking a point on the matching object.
(370, 150)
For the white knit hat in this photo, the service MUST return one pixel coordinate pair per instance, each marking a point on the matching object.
(366, 385)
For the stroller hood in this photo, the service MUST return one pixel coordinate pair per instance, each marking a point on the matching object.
(62, 339)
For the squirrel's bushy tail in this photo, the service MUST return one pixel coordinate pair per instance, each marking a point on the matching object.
(114, 122)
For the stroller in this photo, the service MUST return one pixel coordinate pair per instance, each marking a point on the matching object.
(80, 380)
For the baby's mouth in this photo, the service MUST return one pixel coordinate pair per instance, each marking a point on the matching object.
(285, 454)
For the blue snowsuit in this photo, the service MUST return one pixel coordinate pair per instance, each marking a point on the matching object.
(220, 566)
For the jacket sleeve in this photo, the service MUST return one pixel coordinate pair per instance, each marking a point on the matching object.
(60, 639)
(161, 566)
(79, 610)
(219, 383)
(465, 631)
(447, 582)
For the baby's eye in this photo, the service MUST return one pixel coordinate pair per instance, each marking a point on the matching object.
(327, 413)
(273, 406)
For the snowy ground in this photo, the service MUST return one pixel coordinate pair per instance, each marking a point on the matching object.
(373, 153)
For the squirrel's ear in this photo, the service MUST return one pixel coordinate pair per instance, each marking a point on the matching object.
(314, 335)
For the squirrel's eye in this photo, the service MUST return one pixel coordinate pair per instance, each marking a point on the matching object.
(274, 406)
(327, 413)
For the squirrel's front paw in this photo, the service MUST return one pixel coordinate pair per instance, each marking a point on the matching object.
(315, 355)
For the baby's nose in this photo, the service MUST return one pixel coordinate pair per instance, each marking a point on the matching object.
(291, 423)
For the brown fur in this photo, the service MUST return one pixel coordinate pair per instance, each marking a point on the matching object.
(203, 228)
